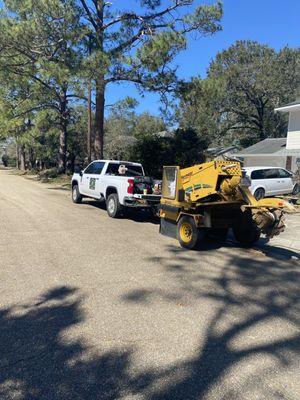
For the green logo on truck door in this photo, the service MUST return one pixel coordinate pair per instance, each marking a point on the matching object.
(92, 184)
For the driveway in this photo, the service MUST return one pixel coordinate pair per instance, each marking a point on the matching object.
(96, 308)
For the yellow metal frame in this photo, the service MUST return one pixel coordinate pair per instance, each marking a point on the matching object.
(212, 184)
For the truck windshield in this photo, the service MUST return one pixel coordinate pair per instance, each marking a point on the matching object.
(131, 170)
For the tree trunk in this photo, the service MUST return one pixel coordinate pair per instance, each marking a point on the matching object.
(89, 127)
(31, 158)
(99, 123)
(62, 158)
(17, 156)
(72, 159)
(22, 158)
(100, 86)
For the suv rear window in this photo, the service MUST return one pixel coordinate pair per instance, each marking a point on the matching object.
(132, 170)
(284, 174)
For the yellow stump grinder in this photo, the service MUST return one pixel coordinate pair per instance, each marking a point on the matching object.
(212, 197)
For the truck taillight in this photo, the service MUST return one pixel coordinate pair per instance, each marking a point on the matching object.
(130, 186)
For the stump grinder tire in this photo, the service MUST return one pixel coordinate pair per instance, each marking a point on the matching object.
(245, 230)
(189, 236)
(219, 234)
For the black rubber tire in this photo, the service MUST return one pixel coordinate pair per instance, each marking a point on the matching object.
(245, 230)
(259, 193)
(196, 235)
(113, 206)
(154, 212)
(76, 196)
(296, 189)
(219, 234)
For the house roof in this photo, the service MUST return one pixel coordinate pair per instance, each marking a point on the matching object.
(267, 146)
(295, 105)
(275, 147)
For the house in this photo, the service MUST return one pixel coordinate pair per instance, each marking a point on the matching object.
(293, 135)
(277, 152)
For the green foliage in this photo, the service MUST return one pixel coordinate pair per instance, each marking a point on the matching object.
(51, 50)
(160, 49)
(124, 126)
(257, 79)
(200, 105)
(139, 45)
(184, 148)
(39, 60)
(235, 103)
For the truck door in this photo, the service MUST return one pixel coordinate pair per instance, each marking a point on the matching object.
(96, 186)
(91, 179)
(85, 179)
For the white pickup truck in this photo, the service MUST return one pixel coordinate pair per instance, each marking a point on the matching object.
(120, 184)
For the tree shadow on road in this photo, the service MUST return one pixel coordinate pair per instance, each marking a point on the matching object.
(36, 363)
(256, 317)
(256, 322)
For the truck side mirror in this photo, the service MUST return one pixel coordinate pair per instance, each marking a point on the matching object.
(80, 173)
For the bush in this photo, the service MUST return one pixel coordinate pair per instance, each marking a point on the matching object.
(185, 148)
(47, 174)
(5, 160)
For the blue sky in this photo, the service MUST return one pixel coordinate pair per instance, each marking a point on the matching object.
(272, 22)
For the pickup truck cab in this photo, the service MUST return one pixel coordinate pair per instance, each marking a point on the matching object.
(120, 184)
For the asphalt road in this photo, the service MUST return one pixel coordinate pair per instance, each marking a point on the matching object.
(96, 308)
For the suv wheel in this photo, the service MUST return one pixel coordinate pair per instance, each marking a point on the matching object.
(76, 196)
(259, 193)
(113, 207)
(296, 189)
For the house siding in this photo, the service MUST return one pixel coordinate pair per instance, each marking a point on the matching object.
(272, 161)
(263, 161)
(293, 136)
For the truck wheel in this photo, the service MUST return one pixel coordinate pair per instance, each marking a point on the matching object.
(113, 207)
(76, 196)
(154, 212)
(188, 234)
(245, 231)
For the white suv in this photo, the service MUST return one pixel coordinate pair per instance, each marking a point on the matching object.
(270, 181)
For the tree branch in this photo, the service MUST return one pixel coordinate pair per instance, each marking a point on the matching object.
(147, 17)
(41, 107)
(89, 14)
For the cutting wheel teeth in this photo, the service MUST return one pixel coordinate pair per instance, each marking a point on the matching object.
(271, 223)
